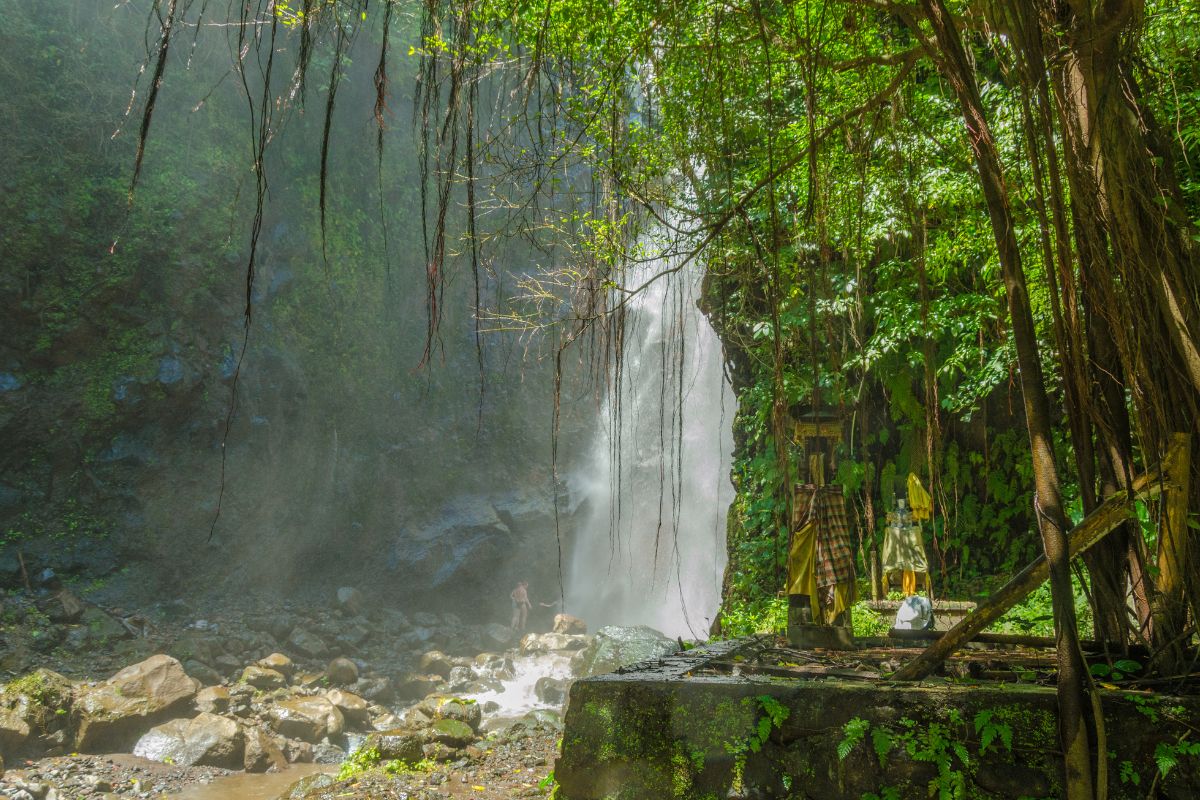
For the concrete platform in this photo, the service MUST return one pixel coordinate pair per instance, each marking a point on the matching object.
(747, 719)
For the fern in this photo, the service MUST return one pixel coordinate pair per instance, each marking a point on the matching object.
(852, 733)
(882, 742)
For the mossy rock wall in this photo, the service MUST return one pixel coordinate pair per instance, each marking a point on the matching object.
(669, 734)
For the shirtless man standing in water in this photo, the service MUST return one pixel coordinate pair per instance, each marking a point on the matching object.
(521, 606)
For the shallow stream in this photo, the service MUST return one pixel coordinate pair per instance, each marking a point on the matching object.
(247, 786)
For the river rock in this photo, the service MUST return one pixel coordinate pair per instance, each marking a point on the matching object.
(353, 636)
(452, 733)
(376, 688)
(354, 709)
(449, 707)
(544, 718)
(386, 721)
(262, 753)
(297, 752)
(397, 745)
(207, 740)
(547, 642)
(213, 700)
(435, 662)
(66, 607)
(342, 672)
(110, 714)
(415, 686)
(263, 678)
(496, 635)
(328, 753)
(309, 719)
(278, 662)
(551, 690)
(440, 751)
(202, 672)
(307, 643)
(565, 623)
(614, 647)
(29, 706)
(349, 600)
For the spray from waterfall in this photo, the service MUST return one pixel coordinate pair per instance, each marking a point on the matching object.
(651, 544)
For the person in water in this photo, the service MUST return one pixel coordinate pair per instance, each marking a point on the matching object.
(521, 606)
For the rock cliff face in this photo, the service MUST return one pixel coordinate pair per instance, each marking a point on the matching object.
(124, 338)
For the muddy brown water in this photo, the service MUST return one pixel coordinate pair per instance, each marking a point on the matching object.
(247, 786)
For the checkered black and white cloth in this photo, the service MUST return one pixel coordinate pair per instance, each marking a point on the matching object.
(826, 507)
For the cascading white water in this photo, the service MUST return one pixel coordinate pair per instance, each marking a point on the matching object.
(651, 547)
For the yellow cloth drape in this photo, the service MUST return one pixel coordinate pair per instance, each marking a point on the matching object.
(802, 573)
(802, 578)
(919, 499)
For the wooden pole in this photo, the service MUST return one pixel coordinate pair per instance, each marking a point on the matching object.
(1107, 516)
(1171, 614)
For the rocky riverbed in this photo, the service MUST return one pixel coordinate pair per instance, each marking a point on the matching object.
(373, 702)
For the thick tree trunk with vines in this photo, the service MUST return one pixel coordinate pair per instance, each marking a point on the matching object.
(952, 58)
(1138, 267)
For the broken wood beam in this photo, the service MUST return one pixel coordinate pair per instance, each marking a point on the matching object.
(1107, 516)
(1014, 639)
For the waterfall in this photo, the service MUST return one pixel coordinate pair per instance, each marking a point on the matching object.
(650, 548)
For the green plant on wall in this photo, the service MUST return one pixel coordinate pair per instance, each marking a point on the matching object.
(770, 717)
(943, 744)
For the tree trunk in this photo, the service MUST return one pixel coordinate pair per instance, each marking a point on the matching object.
(952, 58)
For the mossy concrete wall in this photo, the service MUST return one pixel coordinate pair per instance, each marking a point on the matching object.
(664, 732)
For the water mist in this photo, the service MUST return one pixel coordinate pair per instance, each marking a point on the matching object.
(651, 545)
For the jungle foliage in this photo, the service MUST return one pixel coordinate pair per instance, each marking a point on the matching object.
(946, 221)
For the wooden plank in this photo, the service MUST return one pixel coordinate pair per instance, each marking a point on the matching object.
(1111, 513)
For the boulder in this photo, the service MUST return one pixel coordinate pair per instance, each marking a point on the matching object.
(310, 786)
(459, 549)
(614, 647)
(414, 686)
(496, 635)
(354, 709)
(278, 662)
(548, 642)
(198, 645)
(202, 672)
(111, 714)
(435, 662)
(565, 623)
(262, 753)
(459, 678)
(208, 740)
(385, 722)
(449, 707)
(416, 718)
(552, 691)
(396, 745)
(307, 643)
(213, 700)
(297, 752)
(341, 672)
(543, 718)
(451, 732)
(309, 719)
(31, 706)
(376, 688)
(328, 753)
(101, 626)
(353, 636)
(263, 678)
(440, 751)
(349, 600)
(66, 607)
